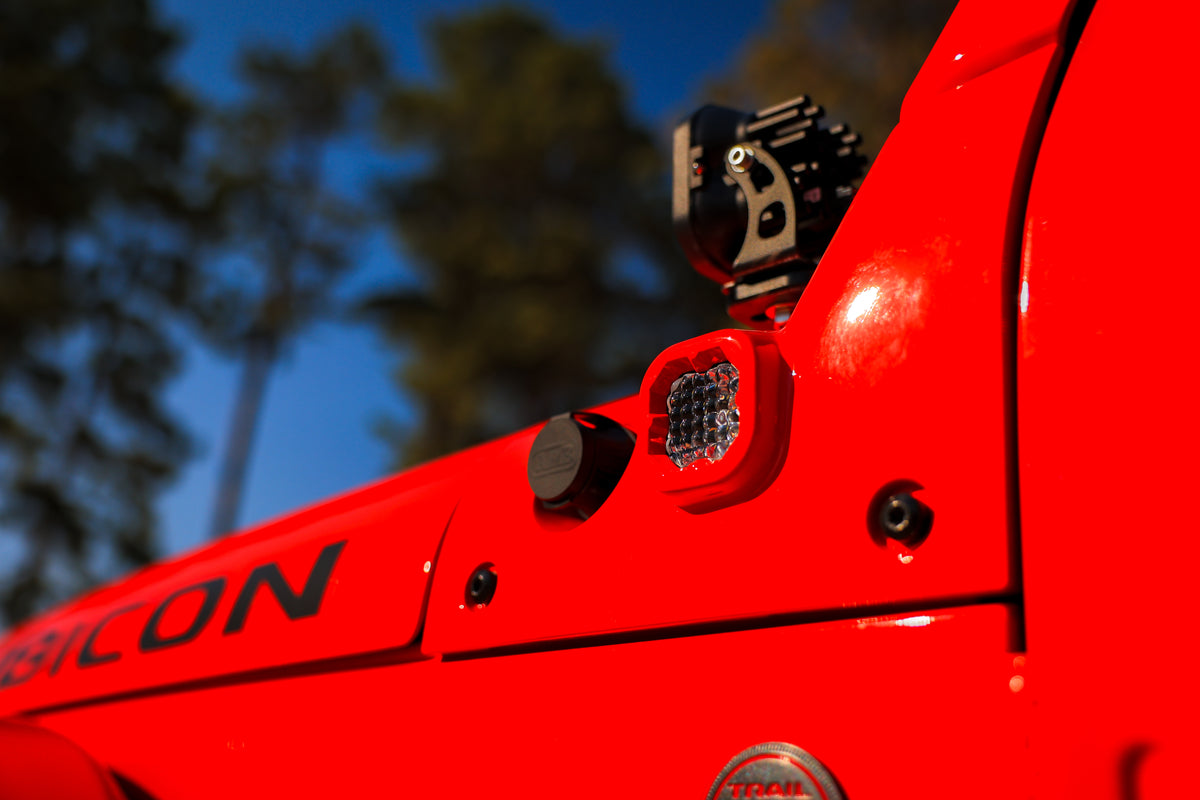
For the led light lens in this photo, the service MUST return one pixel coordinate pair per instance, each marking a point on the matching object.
(702, 413)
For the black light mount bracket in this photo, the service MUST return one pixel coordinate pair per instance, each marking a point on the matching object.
(756, 198)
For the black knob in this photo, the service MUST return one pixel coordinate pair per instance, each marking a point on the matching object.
(576, 461)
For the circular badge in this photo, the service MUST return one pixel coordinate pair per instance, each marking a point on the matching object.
(774, 769)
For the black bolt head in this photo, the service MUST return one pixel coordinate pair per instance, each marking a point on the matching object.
(481, 586)
(905, 518)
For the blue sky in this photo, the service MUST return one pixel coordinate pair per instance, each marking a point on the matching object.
(315, 437)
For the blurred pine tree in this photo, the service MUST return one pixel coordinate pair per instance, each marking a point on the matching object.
(93, 232)
(854, 57)
(538, 223)
(284, 236)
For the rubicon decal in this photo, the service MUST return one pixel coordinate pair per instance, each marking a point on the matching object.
(76, 641)
(775, 769)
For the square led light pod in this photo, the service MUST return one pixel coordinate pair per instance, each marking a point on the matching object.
(719, 410)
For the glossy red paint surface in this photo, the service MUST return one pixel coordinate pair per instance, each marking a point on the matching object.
(1107, 408)
(914, 706)
(899, 354)
(980, 37)
(36, 763)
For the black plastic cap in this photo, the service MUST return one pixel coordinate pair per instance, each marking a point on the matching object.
(576, 461)
(557, 460)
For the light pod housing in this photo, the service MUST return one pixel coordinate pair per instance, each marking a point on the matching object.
(719, 417)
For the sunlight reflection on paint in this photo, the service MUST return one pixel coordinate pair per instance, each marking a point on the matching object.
(1024, 296)
(922, 621)
(862, 304)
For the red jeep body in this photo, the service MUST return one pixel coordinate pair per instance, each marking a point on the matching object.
(1002, 326)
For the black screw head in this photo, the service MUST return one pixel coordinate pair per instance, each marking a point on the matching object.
(905, 518)
(481, 586)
